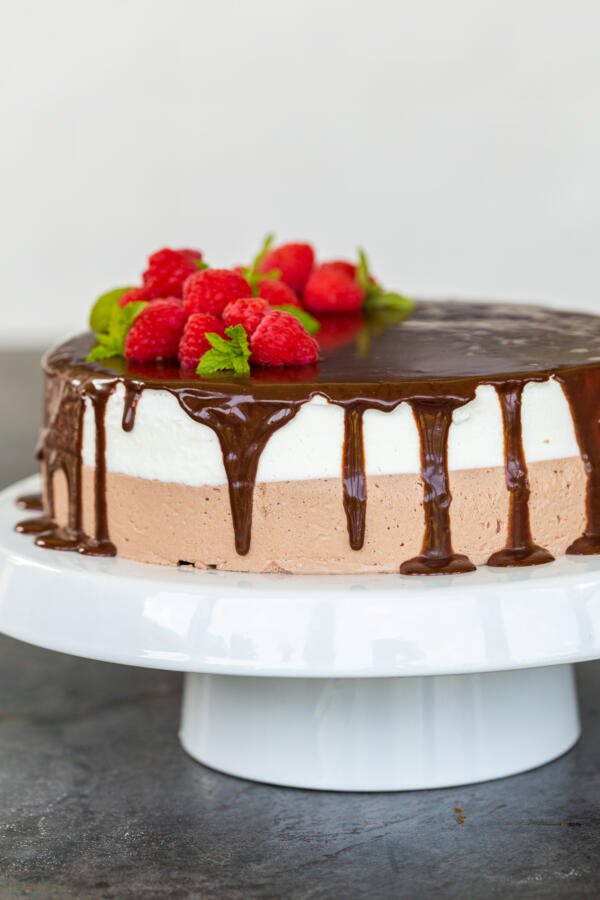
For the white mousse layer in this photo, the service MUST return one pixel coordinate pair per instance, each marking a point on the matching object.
(166, 444)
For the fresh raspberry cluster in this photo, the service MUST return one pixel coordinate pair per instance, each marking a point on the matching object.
(186, 310)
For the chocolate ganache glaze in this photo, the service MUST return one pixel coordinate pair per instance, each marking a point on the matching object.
(435, 360)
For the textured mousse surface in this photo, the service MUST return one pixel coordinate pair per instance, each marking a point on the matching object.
(300, 526)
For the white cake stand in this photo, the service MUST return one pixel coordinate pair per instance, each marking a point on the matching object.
(338, 682)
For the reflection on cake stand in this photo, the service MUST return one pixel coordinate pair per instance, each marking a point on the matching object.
(335, 682)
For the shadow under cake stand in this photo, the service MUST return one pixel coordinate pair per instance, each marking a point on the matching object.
(365, 683)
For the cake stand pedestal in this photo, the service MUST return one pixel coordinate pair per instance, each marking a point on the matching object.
(364, 682)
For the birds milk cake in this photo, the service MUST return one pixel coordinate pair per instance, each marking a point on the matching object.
(294, 416)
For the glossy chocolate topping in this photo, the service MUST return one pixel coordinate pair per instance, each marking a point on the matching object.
(435, 360)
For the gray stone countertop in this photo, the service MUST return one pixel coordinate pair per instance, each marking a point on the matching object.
(98, 800)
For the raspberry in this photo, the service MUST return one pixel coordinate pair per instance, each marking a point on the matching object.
(294, 261)
(132, 296)
(210, 290)
(340, 265)
(247, 311)
(280, 340)
(191, 256)
(167, 270)
(345, 268)
(156, 332)
(193, 343)
(330, 290)
(277, 292)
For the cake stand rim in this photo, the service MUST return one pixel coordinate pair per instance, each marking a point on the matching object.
(302, 626)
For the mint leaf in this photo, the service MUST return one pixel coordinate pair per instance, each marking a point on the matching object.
(254, 278)
(240, 365)
(226, 355)
(123, 317)
(309, 322)
(102, 308)
(251, 273)
(111, 341)
(363, 275)
(381, 299)
(106, 347)
(200, 264)
(99, 352)
(375, 296)
(266, 246)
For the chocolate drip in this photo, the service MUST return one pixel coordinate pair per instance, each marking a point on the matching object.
(353, 476)
(33, 502)
(243, 428)
(100, 545)
(60, 451)
(38, 525)
(582, 388)
(133, 392)
(433, 420)
(520, 549)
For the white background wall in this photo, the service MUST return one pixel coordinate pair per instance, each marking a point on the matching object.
(458, 140)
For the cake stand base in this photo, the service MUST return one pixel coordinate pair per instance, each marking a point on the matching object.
(354, 683)
(380, 734)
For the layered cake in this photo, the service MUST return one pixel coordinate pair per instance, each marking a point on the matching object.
(290, 416)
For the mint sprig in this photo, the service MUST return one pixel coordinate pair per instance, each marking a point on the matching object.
(252, 274)
(376, 297)
(117, 321)
(226, 355)
(309, 322)
(103, 307)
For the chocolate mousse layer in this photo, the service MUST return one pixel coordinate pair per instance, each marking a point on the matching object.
(300, 526)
